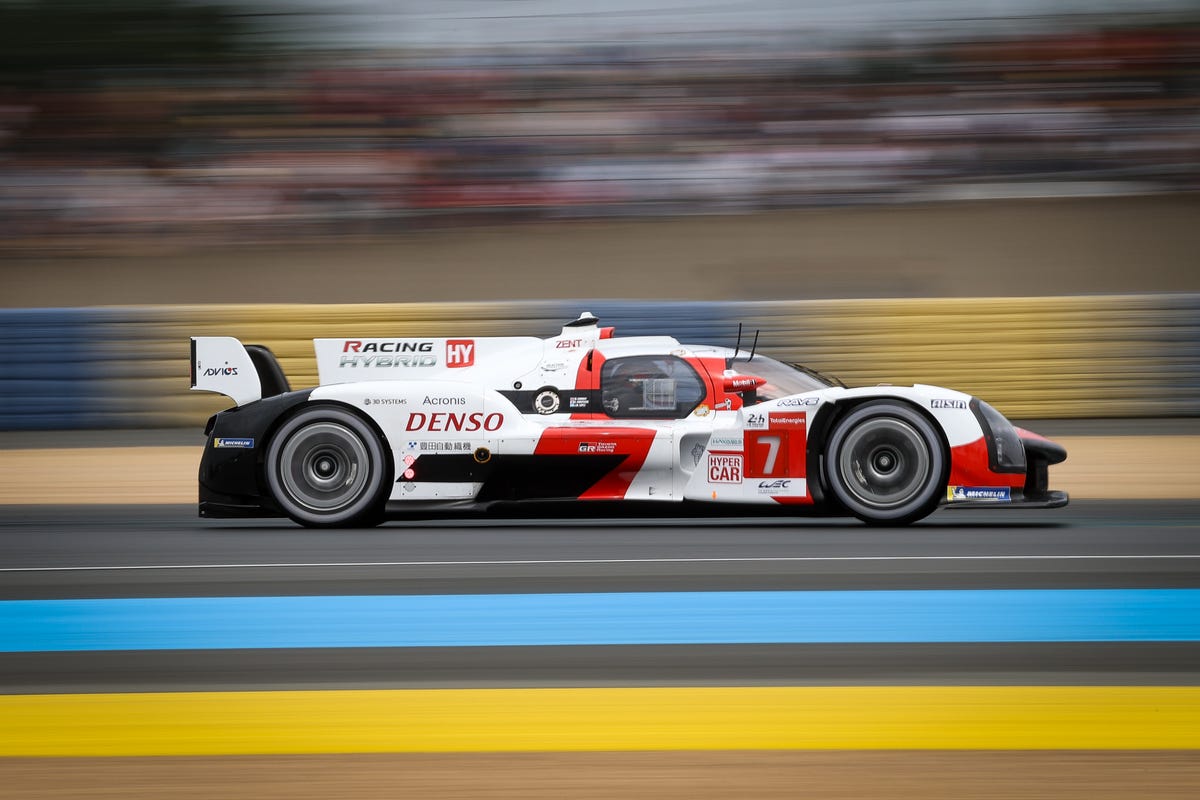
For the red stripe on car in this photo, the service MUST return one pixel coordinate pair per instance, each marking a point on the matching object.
(631, 443)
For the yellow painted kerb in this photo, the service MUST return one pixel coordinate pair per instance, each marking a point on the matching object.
(698, 718)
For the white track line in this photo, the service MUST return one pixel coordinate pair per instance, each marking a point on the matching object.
(597, 561)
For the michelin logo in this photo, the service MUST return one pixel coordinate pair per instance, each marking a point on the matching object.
(995, 494)
(239, 444)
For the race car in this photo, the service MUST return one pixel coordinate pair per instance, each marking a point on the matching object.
(431, 424)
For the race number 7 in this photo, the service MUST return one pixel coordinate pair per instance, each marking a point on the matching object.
(772, 443)
(762, 455)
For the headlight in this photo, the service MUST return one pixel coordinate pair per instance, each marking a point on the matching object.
(1005, 451)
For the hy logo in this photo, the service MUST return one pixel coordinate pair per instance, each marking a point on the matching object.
(460, 352)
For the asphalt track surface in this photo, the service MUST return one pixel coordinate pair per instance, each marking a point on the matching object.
(1088, 544)
(165, 551)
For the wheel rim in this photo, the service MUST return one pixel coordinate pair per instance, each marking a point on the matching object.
(323, 467)
(884, 463)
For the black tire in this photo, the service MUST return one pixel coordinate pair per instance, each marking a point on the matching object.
(326, 468)
(886, 463)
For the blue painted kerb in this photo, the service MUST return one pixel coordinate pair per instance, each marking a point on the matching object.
(999, 615)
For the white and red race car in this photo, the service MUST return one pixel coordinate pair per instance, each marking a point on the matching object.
(429, 424)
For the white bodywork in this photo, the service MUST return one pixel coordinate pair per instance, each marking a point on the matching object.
(439, 396)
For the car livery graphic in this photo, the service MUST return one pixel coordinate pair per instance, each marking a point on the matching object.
(427, 424)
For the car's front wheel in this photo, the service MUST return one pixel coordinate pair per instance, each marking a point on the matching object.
(886, 464)
(326, 467)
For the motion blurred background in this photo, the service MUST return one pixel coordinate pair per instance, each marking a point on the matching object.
(994, 195)
(199, 123)
(178, 162)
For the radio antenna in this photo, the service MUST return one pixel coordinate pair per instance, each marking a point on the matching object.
(738, 345)
(753, 347)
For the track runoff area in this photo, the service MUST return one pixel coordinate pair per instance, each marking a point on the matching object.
(146, 596)
(1121, 607)
(600, 718)
(605, 718)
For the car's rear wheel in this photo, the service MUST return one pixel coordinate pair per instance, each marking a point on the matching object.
(326, 467)
(886, 464)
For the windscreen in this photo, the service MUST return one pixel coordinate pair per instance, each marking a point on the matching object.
(781, 379)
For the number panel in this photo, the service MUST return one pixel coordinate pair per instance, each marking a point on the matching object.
(778, 451)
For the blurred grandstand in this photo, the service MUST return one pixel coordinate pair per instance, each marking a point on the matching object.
(284, 139)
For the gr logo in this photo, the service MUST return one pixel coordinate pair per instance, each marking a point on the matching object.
(460, 352)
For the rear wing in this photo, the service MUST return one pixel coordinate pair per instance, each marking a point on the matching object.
(243, 373)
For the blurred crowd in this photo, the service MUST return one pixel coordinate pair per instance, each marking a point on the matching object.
(374, 142)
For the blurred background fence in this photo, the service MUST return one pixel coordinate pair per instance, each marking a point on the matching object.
(1032, 357)
(145, 128)
(135, 124)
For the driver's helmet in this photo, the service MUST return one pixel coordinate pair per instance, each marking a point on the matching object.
(626, 388)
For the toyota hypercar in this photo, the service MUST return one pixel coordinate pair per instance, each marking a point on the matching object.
(414, 424)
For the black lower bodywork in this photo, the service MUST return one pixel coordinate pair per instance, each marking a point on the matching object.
(1036, 493)
(231, 479)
